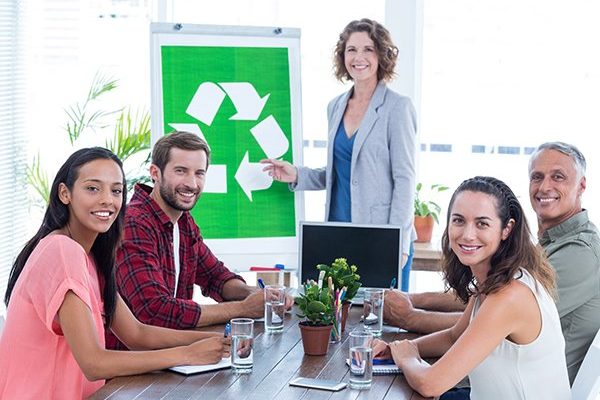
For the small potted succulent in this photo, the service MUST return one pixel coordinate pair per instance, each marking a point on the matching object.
(316, 307)
(344, 277)
(426, 213)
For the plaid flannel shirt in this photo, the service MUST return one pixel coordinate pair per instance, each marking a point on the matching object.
(145, 271)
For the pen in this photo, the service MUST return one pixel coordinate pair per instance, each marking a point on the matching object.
(261, 284)
(264, 269)
(393, 283)
(227, 330)
(379, 361)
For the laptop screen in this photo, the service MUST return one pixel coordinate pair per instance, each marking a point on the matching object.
(374, 249)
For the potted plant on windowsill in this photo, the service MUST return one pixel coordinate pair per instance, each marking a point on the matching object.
(426, 213)
(343, 276)
(316, 307)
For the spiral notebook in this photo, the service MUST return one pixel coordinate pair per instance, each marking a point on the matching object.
(196, 369)
(382, 367)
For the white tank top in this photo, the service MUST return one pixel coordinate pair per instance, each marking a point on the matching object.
(537, 370)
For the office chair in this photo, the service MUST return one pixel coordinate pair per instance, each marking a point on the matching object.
(587, 381)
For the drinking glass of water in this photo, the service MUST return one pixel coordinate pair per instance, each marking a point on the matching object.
(361, 358)
(274, 307)
(242, 341)
(373, 310)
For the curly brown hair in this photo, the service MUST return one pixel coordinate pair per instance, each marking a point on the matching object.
(515, 252)
(387, 52)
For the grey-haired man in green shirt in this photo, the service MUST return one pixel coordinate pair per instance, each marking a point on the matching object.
(571, 242)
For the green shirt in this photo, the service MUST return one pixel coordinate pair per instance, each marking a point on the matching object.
(573, 249)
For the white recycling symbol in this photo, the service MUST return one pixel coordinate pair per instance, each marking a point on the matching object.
(248, 105)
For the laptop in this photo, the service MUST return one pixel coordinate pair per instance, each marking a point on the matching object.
(376, 250)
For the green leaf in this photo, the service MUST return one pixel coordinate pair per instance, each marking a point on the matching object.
(424, 208)
(439, 188)
(315, 307)
(433, 205)
(315, 304)
(80, 117)
(38, 179)
(101, 84)
(132, 134)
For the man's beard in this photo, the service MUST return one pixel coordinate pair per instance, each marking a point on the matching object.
(170, 197)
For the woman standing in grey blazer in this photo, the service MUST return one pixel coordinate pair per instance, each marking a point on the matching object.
(370, 172)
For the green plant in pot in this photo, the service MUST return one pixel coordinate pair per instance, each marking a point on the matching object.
(316, 307)
(343, 276)
(426, 212)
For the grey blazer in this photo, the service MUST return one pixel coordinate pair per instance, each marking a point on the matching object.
(382, 170)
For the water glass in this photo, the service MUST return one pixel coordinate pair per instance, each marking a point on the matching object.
(274, 307)
(361, 358)
(242, 342)
(373, 310)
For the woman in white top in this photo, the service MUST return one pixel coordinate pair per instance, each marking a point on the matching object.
(509, 339)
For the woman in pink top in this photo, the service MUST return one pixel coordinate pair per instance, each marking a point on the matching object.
(61, 296)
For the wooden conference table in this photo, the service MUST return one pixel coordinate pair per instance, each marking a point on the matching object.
(278, 358)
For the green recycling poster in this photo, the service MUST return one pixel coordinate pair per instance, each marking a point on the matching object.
(239, 99)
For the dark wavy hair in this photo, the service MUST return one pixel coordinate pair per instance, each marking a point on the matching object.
(387, 52)
(57, 216)
(515, 252)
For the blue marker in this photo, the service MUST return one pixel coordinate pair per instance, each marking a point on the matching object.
(379, 361)
(279, 266)
(261, 284)
(227, 330)
(393, 283)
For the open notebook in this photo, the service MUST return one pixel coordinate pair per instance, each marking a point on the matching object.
(382, 367)
(196, 369)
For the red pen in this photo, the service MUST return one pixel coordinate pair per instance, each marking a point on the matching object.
(264, 269)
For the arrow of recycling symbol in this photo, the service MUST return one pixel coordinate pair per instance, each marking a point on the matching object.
(205, 105)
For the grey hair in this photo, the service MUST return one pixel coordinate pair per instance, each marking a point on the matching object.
(566, 149)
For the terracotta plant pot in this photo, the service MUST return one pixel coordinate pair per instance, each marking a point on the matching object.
(345, 307)
(315, 339)
(424, 228)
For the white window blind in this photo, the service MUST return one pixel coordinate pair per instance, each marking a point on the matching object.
(13, 205)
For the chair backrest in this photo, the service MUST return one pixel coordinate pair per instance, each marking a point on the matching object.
(587, 381)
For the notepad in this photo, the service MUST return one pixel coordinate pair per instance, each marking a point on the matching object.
(196, 369)
(383, 367)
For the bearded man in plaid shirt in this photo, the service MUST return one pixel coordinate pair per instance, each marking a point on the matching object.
(163, 255)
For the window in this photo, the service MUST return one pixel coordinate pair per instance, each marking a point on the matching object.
(500, 78)
(13, 209)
